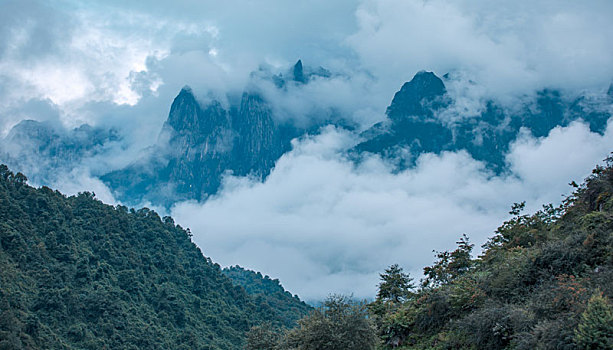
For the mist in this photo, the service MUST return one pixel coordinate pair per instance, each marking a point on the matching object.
(322, 224)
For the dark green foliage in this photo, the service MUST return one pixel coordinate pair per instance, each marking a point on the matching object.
(395, 285)
(595, 330)
(544, 281)
(263, 337)
(269, 295)
(339, 325)
(450, 265)
(78, 274)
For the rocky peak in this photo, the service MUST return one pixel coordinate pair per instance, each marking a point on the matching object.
(188, 116)
(298, 72)
(184, 111)
(417, 97)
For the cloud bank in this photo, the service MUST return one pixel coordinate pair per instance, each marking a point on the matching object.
(323, 224)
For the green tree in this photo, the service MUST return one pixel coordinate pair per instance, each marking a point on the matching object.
(595, 330)
(340, 324)
(263, 337)
(450, 265)
(395, 285)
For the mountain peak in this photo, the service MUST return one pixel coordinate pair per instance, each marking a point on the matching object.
(425, 87)
(426, 84)
(299, 72)
(184, 110)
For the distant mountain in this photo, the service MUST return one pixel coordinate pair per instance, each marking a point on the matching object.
(269, 293)
(245, 134)
(78, 274)
(37, 147)
(417, 123)
(199, 143)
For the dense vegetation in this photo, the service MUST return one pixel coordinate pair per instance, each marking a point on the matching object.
(340, 323)
(543, 281)
(78, 274)
(270, 295)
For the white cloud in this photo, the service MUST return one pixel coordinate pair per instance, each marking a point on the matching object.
(322, 224)
(509, 47)
(80, 180)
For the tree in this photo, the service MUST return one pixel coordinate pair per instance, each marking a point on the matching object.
(450, 265)
(263, 337)
(395, 285)
(340, 324)
(595, 330)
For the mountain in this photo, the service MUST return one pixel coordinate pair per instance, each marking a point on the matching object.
(39, 147)
(245, 133)
(420, 119)
(78, 274)
(200, 142)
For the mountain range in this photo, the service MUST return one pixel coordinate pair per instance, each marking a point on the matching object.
(243, 135)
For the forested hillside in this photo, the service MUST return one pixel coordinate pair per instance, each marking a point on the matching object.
(543, 281)
(78, 274)
(269, 293)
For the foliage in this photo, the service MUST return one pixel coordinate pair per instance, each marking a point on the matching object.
(78, 274)
(269, 294)
(450, 265)
(543, 281)
(263, 337)
(395, 285)
(340, 324)
(595, 330)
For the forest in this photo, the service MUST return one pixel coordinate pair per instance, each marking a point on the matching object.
(79, 274)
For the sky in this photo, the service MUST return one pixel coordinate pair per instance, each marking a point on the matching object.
(319, 223)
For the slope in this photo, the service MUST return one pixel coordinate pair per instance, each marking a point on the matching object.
(78, 274)
(269, 293)
(544, 281)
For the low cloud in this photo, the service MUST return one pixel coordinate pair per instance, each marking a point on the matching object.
(508, 49)
(323, 224)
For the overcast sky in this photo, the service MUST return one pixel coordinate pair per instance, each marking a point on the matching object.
(319, 223)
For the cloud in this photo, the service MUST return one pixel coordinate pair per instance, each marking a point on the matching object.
(79, 180)
(509, 48)
(322, 224)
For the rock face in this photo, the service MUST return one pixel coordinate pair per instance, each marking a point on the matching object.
(198, 144)
(416, 124)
